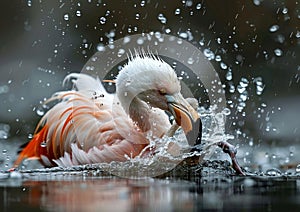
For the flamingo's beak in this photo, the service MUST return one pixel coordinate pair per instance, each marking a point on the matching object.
(185, 115)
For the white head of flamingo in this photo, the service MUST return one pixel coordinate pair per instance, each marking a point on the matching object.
(150, 82)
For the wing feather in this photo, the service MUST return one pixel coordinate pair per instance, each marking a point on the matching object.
(82, 129)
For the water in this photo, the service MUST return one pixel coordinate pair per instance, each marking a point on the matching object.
(209, 186)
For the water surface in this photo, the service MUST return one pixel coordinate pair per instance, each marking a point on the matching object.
(210, 186)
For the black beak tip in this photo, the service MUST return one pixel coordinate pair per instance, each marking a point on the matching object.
(194, 136)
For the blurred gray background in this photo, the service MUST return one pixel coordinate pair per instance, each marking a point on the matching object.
(42, 41)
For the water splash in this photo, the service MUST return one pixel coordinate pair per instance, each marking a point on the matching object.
(164, 154)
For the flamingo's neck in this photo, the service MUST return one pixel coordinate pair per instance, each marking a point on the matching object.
(139, 113)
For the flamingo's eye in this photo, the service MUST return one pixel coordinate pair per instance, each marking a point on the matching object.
(162, 91)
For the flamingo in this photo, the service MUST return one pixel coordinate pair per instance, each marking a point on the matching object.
(89, 125)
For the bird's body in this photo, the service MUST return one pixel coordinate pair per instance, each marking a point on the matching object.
(89, 125)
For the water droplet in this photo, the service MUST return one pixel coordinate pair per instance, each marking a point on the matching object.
(278, 52)
(40, 111)
(280, 38)
(162, 18)
(223, 65)
(251, 143)
(298, 168)
(240, 89)
(177, 11)
(121, 52)
(244, 96)
(107, 13)
(66, 17)
(44, 144)
(102, 20)
(218, 58)
(198, 6)
(273, 172)
(168, 30)
(4, 89)
(231, 88)
(220, 118)
(190, 61)
(183, 35)
(100, 47)
(229, 75)
(257, 2)
(78, 13)
(226, 111)
(201, 42)
(285, 10)
(263, 104)
(244, 82)
(111, 34)
(188, 3)
(274, 28)
(126, 40)
(4, 131)
(140, 41)
(137, 16)
(259, 85)
(241, 106)
(209, 54)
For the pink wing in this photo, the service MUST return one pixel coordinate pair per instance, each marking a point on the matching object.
(88, 125)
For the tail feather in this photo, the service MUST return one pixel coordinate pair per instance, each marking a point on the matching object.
(33, 149)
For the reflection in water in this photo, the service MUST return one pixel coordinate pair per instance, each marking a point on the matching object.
(210, 188)
(78, 196)
(105, 194)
